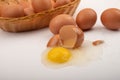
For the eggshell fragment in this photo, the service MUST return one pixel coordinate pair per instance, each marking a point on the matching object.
(97, 42)
(111, 18)
(71, 36)
(41, 5)
(61, 2)
(54, 41)
(86, 18)
(59, 21)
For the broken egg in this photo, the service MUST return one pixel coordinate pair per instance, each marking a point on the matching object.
(71, 36)
(54, 41)
(59, 57)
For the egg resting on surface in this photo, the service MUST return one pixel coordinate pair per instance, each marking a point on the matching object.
(110, 18)
(86, 18)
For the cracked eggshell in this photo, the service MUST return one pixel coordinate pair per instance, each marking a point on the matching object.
(71, 36)
(54, 41)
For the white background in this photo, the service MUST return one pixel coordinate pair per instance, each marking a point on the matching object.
(20, 52)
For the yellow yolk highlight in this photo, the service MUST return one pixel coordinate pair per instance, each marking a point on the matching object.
(59, 55)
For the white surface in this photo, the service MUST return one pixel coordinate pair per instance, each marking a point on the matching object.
(20, 52)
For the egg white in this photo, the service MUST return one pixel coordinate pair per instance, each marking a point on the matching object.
(80, 56)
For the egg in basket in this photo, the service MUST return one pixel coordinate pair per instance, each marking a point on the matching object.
(26, 15)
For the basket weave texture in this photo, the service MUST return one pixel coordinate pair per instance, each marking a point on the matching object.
(36, 21)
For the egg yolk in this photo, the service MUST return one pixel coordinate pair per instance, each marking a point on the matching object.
(59, 55)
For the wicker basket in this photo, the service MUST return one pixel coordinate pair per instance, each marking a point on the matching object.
(36, 21)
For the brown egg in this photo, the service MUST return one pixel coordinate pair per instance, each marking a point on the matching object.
(54, 0)
(71, 36)
(72, 0)
(53, 3)
(111, 18)
(0, 9)
(61, 2)
(59, 21)
(86, 18)
(28, 9)
(23, 3)
(12, 11)
(41, 5)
